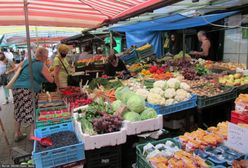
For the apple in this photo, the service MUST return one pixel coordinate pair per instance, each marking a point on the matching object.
(237, 75)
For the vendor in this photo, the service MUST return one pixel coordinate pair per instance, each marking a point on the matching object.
(205, 46)
(173, 45)
(116, 66)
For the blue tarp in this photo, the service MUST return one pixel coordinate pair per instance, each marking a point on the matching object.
(173, 22)
(148, 31)
(139, 38)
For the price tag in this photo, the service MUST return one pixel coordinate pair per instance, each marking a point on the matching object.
(237, 138)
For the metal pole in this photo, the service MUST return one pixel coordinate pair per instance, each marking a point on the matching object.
(111, 40)
(29, 52)
(184, 45)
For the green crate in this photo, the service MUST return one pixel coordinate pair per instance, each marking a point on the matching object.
(141, 161)
(41, 124)
(205, 101)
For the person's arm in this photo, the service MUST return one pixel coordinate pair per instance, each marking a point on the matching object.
(46, 73)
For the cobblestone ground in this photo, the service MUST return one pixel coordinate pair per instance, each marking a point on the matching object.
(7, 117)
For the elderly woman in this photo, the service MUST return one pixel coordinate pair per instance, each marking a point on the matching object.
(23, 89)
(61, 66)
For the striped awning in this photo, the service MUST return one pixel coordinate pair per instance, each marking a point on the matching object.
(69, 13)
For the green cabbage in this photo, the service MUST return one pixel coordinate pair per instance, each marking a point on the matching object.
(119, 92)
(131, 116)
(148, 113)
(116, 104)
(136, 103)
(126, 95)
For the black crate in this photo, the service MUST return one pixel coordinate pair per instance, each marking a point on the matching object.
(106, 157)
(18, 160)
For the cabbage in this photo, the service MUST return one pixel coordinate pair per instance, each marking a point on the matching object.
(116, 105)
(165, 86)
(148, 113)
(126, 95)
(119, 91)
(136, 103)
(131, 116)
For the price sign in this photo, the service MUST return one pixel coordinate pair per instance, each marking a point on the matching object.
(237, 138)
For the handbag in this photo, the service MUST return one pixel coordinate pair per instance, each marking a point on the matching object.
(3, 79)
(71, 81)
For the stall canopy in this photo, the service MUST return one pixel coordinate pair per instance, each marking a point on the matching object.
(148, 31)
(173, 22)
(69, 13)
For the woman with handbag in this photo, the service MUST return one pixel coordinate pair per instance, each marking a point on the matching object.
(8, 68)
(61, 67)
(23, 90)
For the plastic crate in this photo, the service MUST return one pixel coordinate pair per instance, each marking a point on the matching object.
(141, 162)
(53, 121)
(166, 110)
(131, 58)
(239, 118)
(45, 104)
(77, 164)
(106, 157)
(18, 160)
(57, 156)
(204, 101)
(145, 53)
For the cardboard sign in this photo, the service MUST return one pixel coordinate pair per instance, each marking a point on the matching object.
(237, 138)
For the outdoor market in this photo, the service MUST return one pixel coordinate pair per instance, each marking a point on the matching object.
(124, 83)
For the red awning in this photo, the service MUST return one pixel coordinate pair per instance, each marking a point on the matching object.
(69, 13)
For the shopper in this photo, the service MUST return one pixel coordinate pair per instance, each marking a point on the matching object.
(205, 51)
(23, 89)
(9, 55)
(115, 66)
(61, 67)
(8, 68)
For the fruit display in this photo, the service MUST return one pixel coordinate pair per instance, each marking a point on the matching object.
(144, 47)
(53, 115)
(156, 72)
(200, 139)
(49, 97)
(135, 67)
(234, 80)
(179, 57)
(169, 155)
(224, 66)
(59, 139)
(80, 102)
(94, 59)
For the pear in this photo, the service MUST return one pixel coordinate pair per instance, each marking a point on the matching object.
(237, 75)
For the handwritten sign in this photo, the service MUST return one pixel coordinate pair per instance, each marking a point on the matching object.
(237, 138)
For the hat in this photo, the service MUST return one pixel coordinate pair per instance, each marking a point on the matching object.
(63, 48)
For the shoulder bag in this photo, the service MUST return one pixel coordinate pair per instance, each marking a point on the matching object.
(71, 81)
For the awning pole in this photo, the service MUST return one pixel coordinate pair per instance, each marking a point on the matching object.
(111, 40)
(184, 45)
(29, 53)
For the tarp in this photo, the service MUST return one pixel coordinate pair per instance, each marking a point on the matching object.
(173, 22)
(69, 13)
(139, 37)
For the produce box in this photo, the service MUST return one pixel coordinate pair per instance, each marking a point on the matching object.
(106, 157)
(166, 110)
(145, 53)
(51, 116)
(141, 161)
(101, 140)
(220, 155)
(133, 128)
(204, 101)
(131, 58)
(237, 117)
(61, 155)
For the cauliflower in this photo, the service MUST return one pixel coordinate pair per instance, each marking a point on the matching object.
(173, 83)
(154, 98)
(158, 91)
(169, 93)
(142, 92)
(169, 102)
(184, 86)
(182, 95)
(159, 84)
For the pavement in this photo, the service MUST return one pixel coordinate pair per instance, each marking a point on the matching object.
(7, 118)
